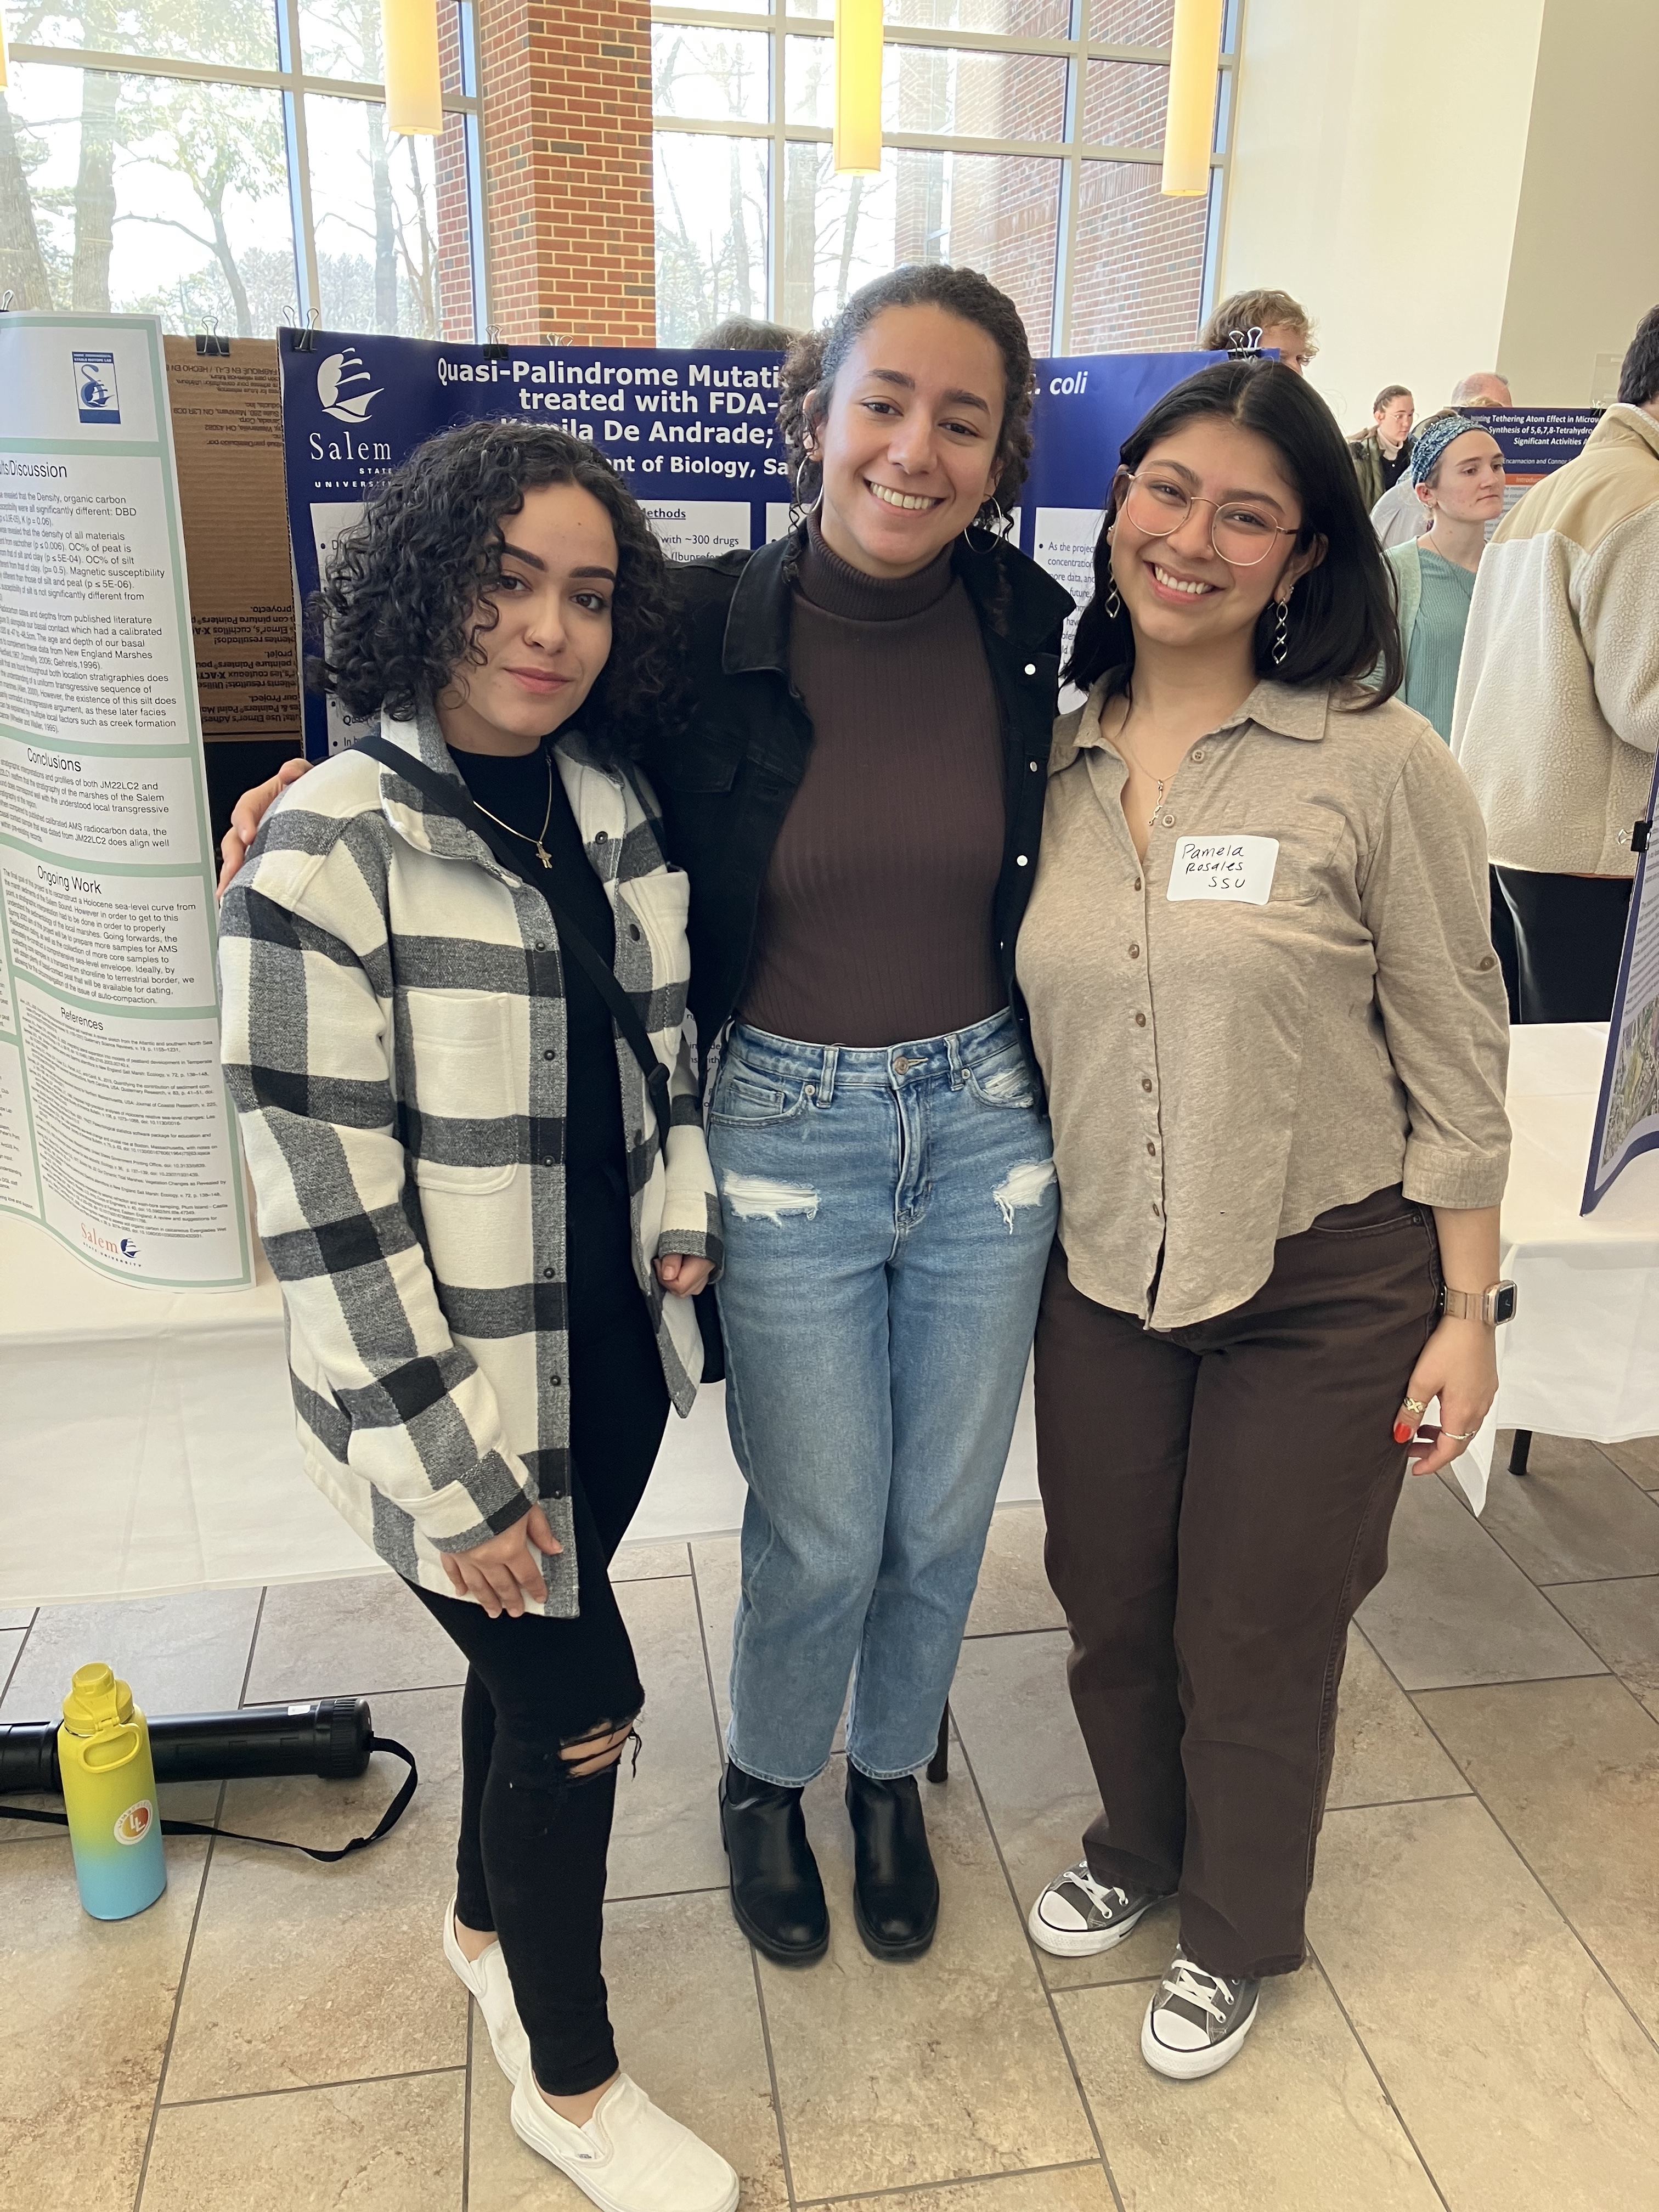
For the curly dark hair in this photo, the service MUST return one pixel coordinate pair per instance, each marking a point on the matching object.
(809, 374)
(408, 589)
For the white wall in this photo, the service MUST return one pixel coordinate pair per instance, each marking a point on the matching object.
(1585, 267)
(1387, 209)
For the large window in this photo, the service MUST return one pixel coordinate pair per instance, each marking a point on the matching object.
(1022, 138)
(227, 164)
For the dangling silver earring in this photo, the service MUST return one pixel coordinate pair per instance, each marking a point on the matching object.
(1113, 604)
(1282, 641)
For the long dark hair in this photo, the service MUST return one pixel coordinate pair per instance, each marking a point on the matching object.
(1342, 622)
(809, 374)
(408, 589)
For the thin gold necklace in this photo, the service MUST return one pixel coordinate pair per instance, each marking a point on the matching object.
(538, 841)
(1135, 761)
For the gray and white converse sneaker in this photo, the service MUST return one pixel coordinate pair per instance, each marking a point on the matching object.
(1077, 1915)
(1196, 2020)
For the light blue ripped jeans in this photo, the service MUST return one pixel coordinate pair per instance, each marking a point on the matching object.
(887, 1216)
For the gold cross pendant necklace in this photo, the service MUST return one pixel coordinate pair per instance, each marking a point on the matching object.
(539, 840)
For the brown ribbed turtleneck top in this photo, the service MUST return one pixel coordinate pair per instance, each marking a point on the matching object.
(875, 919)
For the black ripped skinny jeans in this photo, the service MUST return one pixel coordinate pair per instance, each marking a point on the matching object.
(531, 1861)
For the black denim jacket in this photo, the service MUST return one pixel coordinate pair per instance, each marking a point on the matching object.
(727, 782)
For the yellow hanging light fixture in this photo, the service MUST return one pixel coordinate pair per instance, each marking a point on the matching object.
(1189, 125)
(413, 85)
(857, 145)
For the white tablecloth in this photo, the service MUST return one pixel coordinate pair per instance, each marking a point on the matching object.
(1581, 1357)
(147, 1439)
(149, 1436)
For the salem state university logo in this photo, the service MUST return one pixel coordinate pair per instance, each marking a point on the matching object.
(335, 373)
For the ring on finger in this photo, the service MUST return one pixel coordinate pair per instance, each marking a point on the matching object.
(1460, 1435)
(1413, 1406)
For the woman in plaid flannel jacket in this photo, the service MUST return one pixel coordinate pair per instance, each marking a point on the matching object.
(487, 1249)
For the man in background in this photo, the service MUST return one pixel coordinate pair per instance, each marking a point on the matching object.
(1557, 719)
(1280, 324)
(1382, 455)
(1399, 515)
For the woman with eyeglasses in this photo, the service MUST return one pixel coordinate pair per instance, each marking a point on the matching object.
(1264, 997)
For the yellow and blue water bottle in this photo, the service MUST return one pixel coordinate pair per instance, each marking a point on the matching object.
(108, 1781)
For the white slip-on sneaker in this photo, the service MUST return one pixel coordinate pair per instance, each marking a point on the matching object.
(629, 2157)
(1196, 2020)
(486, 1976)
(1077, 1915)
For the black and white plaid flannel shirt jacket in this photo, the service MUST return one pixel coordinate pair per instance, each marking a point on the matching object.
(394, 1044)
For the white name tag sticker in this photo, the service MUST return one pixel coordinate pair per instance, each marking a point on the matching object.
(1237, 868)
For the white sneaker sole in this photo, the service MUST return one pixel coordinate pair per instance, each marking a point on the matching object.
(1087, 1943)
(588, 2185)
(1194, 2065)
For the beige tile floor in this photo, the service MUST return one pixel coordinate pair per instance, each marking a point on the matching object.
(1475, 2031)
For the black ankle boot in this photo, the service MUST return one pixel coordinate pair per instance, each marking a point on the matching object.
(894, 1889)
(776, 1892)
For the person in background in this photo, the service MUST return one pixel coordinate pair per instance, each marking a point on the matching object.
(1280, 322)
(1457, 474)
(1400, 514)
(1268, 1010)
(1557, 719)
(1382, 455)
(486, 1240)
(742, 334)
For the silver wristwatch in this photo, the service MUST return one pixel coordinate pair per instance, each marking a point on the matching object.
(1495, 1304)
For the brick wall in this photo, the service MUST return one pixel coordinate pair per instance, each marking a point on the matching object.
(568, 158)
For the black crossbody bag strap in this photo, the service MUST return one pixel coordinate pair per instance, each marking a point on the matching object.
(453, 798)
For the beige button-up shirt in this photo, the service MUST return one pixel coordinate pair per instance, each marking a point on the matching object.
(1220, 1070)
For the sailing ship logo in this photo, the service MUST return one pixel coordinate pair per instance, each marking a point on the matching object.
(336, 374)
(97, 396)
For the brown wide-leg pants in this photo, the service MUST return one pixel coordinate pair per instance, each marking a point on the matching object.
(1218, 1500)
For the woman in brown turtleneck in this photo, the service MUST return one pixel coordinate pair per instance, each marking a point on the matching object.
(858, 802)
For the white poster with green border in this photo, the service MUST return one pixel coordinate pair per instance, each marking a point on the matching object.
(115, 1131)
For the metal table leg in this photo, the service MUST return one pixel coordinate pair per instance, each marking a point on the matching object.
(938, 1766)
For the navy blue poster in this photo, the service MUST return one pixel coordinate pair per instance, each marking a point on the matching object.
(695, 436)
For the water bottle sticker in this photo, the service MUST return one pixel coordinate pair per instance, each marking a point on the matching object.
(134, 1824)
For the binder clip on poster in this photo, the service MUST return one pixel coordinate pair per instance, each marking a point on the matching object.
(213, 341)
(305, 341)
(1243, 345)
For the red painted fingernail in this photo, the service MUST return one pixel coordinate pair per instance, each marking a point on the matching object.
(1402, 1432)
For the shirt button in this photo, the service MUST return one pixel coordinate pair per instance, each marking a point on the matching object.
(1134, 952)
(1169, 821)
(555, 1380)
(602, 837)
(1152, 1150)
(1198, 755)
(1034, 768)
(548, 1273)
(1487, 963)
(1020, 860)
(1146, 1082)
(541, 944)
(1135, 886)
(1030, 668)
(634, 931)
(549, 1163)
(1140, 1021)
(549, 1055)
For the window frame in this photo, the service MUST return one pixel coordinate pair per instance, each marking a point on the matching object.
(1077, 50)
(293, 84)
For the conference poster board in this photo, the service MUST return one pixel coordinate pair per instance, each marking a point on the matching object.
(694, 434)
(116, 1134)
(1628, 1112)
(1535, 441)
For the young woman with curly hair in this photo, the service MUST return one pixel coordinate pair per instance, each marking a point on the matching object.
(487, 1239)
(858, 798)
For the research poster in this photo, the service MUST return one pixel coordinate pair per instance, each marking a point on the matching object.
(1627, 1113)
(115, 1131)
(1535, 441)
(695, 435)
